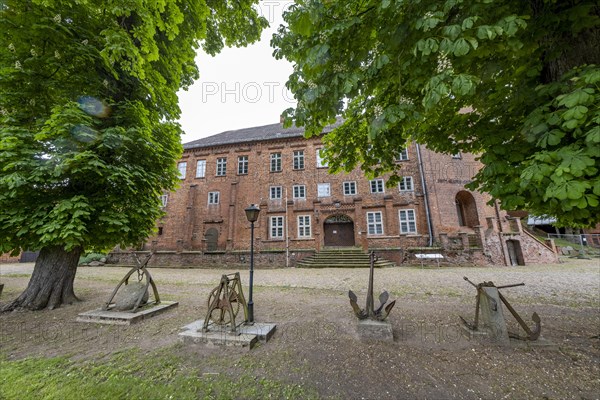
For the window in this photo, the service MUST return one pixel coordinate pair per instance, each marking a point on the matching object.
(457, 156)
(323, 190)
(163, 199)
(402, 155)
(275, 162)
(201, 169)
(182, 167)
(377, 186)
(320, 162)
(221, 166)
(275, 193)
(349, 188)
(160, 231)
(304, 226)
(406, 184)
(242, 165)
(374, 223)
(213, 197)
(408, 221)
(299, 192)
(299, 159)
(276, 227)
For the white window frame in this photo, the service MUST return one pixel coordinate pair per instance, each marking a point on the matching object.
(213, 198)
(276, 225)
(321, 192)
(408, 221)
(200, 168)
(298, 163)
(320, 161)
(375, 223)
(242, 165)
(304, 226)
(299, 192)
(276, 165)
(377, 186)
(182, 168)
(222, 166)
(406, 184)
(349, 185)
(402, 155)
(275, 193)
(164, 199)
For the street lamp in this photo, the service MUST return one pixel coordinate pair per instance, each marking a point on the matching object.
(252, 214)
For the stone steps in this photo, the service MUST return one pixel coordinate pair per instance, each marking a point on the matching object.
(342, 257)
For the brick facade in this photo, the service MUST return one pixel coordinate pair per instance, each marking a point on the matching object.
(304, 208)
(7, 258)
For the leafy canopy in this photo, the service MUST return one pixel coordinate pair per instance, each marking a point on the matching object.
(517, 82)
(88, 111)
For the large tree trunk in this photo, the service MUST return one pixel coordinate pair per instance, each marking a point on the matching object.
(51, 283)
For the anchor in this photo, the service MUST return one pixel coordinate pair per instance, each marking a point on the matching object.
(379, 314)
(493, 307)
(142, 297)
(224, 303)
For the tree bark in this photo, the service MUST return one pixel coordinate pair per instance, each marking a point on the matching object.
(51, 283)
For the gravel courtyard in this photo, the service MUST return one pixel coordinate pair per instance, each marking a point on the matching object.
(316, 346)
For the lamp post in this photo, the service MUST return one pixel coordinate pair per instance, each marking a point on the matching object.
(252, 214)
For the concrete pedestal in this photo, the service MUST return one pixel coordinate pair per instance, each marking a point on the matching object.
(246, 336)
(374, 330)
(125, 317)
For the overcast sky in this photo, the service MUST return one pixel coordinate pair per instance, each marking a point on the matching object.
(239, 88)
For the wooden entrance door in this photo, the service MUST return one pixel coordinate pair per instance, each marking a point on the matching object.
(339, 231)
(514, 252)
(212, 238)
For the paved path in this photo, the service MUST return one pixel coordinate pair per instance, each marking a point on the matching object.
(17, 268)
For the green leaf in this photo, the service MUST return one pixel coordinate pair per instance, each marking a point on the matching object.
(461, 47)
(452, 31)
(577, 112)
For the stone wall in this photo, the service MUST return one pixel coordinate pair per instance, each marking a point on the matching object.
(198, 259)
(537, 252)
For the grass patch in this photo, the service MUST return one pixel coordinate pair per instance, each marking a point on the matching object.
(132, 375)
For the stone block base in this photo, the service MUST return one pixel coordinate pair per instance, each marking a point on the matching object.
(374, 330)
(246, 336)
(125, 317)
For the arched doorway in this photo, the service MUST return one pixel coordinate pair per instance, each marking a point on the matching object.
(211, 237)
(339, 230)
(466, 209)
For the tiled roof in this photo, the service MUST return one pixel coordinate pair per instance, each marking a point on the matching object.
(255, 134)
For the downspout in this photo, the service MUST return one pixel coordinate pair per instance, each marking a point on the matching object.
(287, 236)
(425, 196)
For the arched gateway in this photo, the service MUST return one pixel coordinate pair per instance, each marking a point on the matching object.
(339, 230)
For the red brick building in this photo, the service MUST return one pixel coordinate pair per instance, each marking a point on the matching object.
(304, 208)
